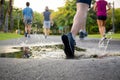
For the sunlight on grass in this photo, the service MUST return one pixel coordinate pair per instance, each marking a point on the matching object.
(6, 36)
(114, 36)
(94, 36)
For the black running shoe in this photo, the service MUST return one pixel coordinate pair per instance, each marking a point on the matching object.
(26, 34)
(69, 44)
(81, 35)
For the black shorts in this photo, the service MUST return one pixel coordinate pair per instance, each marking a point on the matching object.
(101, 17)
(84, 1)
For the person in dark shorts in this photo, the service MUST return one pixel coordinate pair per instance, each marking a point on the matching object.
(79, 22)
(101, 7)
(27, 19)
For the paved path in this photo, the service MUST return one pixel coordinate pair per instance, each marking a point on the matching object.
(107, 68)
(52, 69)
(39, 40)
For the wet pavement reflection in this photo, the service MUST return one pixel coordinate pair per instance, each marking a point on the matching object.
(48, 51)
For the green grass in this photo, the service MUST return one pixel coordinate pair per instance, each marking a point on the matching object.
(114, 36)
(6, 36)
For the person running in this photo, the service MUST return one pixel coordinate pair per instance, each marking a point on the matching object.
(27, 19)
(79, 22)
(101, 12)
(46, 23)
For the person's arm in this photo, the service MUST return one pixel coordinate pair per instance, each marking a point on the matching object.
(32, 14)
(50, 17)
(95, 7)
(43, 14)
(51, 21)
(108, 6)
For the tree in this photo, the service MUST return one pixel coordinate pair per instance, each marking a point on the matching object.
(117, 20)
(38, 21)
(6, 21)
(10, 13)
(64, 15)
(1, 13)
(5, 12)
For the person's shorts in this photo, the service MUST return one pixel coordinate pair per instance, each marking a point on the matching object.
(46, 24)
(27, 21)
(101, 17)
(84, 1)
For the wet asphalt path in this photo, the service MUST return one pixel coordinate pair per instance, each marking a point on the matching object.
(107, 68)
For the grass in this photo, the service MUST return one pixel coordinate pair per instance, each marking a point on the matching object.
(114, 36)
(7, 36)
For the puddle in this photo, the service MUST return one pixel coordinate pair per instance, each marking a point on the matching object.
(8, 50)
(48, 51)
(12, 52)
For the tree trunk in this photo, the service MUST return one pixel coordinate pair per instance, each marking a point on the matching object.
(1, 14)
(6, 22)
(11, 17)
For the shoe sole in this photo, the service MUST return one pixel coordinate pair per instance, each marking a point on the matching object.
(67, 48)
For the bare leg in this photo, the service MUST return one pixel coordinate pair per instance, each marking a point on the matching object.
(104, 28)
(79, 22)
(48, 31)
(45, 31)
(26, 28)
(29, 29)
(101, 25)
(79, 18)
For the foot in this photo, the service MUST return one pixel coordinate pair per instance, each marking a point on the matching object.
(85, 34)
(82, 35)
(101, 42)
(45, 36)
(26, 34)
(69, 44)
